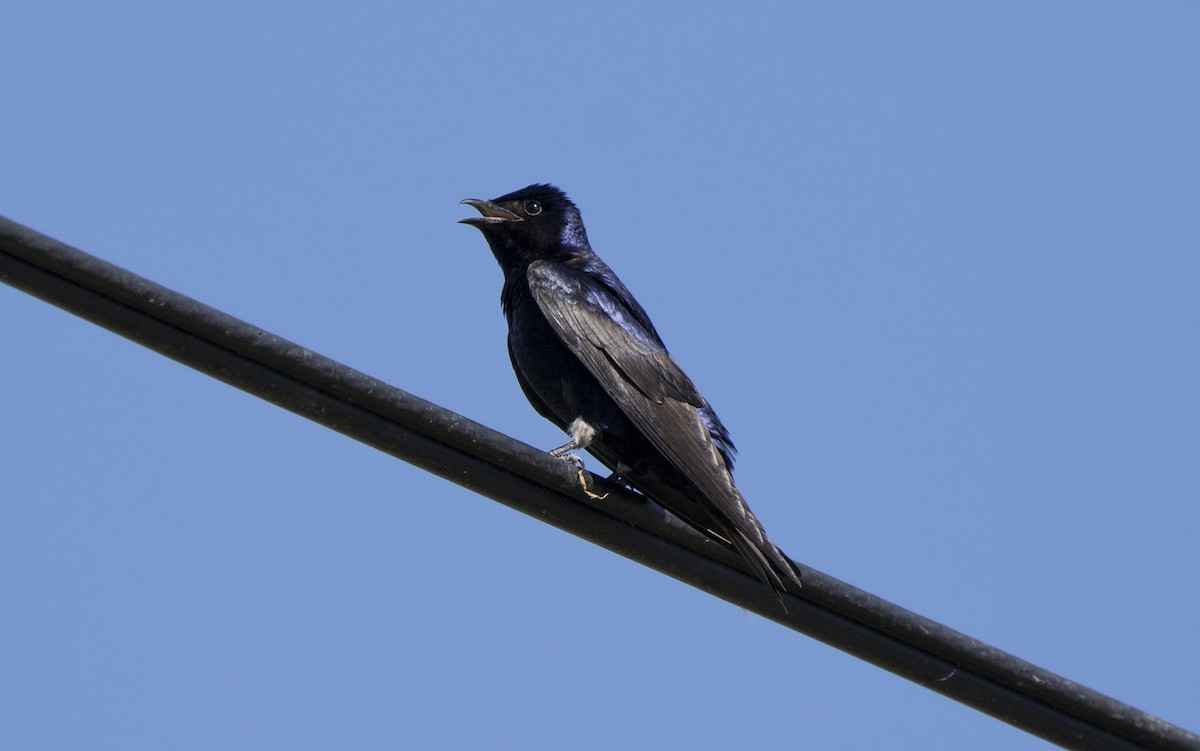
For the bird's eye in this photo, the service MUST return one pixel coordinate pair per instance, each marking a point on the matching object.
(533, 208)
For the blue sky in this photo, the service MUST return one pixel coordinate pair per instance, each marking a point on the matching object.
(934, 264)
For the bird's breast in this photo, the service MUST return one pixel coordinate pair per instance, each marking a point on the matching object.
(550, 370)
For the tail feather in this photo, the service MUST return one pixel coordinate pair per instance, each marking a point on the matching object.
(769, 563)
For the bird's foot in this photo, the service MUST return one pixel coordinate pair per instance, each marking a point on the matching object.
(581, 434)
(584, 484)
(618, 476)
(561, 453)
(619, 479)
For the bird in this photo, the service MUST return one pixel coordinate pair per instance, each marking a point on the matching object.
(589, 360)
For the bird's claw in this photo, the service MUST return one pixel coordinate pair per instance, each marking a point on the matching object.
(619, 479)
(583, 483)
(573, 458)
(582, 474)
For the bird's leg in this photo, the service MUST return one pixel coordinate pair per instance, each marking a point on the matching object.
(582, 432)
(618, 475)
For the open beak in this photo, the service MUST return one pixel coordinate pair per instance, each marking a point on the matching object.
(490, 214)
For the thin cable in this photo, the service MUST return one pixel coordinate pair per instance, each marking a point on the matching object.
(528, 480)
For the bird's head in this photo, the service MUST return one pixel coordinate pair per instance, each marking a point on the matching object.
(529, 224)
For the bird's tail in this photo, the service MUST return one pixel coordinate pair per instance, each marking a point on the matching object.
(776, 570)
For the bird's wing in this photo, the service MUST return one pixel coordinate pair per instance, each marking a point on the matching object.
(641, 377)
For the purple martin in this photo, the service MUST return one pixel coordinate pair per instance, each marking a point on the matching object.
(590, 361)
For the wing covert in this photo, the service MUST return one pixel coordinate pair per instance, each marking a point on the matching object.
(637, 372)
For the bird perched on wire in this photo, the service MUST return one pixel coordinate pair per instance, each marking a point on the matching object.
(589, 360)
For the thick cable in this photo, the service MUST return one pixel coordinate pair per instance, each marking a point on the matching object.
(528, 480)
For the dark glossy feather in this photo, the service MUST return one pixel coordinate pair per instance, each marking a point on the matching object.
(583, 348)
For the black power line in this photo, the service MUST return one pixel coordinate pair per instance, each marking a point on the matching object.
(529, 480)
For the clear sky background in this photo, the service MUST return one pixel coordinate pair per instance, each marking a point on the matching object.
(936, 265)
